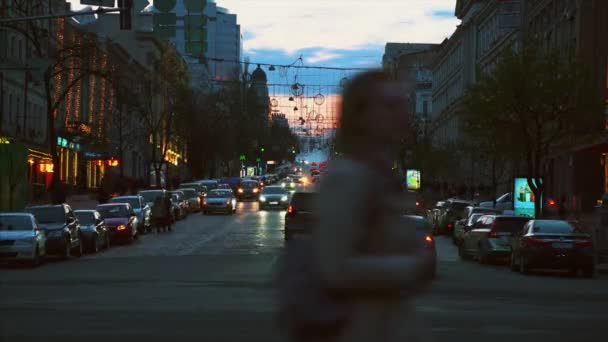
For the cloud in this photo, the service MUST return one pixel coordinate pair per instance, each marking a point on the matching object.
(321, 56)
(341, 24)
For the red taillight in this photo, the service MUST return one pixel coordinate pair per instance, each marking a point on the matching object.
(552, 203)
(428, 238)
(536, 241)
(450, 225)
(584, 243)
(417, 204)
(493, 234)
(290, 209)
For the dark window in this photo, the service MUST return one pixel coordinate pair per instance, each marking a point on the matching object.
(219, 194)
(274, 190)
(133, 201)
(113, 211)
(553, 227)
(48, 214)
(15, 223)
(86, 217)
(510, 225)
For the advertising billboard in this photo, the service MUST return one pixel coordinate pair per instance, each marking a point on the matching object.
(413, 179)
(523, 197)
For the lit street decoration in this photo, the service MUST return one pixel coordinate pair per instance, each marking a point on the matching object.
(46, 168)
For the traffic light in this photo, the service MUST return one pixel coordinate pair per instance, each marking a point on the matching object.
(126, 7)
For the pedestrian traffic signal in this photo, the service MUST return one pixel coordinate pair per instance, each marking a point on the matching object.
(126, 7)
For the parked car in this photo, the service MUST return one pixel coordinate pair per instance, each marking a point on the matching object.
(452, 211)
(220, 200)
(151, 195)
(198, 186)
(180, 204)
(193, 199)
(142, 209)
(301, 215)
(274, 196)
(95, 234)
(490, 237)
(61, 228)
(460, 225)
(21, 239)
(552, 244)
(121, 221)
(248, 189)
(463, 226)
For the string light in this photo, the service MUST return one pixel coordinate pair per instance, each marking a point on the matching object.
(92, 83)
(78, 90)
(68, 100)
(102, 102)
(58, 77)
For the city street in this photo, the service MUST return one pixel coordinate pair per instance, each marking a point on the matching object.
(211, 280)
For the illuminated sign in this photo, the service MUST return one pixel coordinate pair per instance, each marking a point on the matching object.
(413, 179)
(523, 197)
(112, 162)
(45, 167)
(63, 142)
(4, 140)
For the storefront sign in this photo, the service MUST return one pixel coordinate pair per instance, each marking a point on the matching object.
(45, 167)
(523, 198)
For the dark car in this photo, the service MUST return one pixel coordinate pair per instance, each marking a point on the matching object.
(142, 209)
(459, 226)
(452, 211)
(490, 237)
(180, 204)
(220, 200)
(120, 219)
(552, 244)
(274, 197)
(95, 234)
(301, 215)
(248, 189)
(61, 228)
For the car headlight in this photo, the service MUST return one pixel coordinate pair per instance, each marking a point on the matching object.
(292, 184)
(262, 198)
(228, 202)
(284, 199)
(283, 184)
(121, 227)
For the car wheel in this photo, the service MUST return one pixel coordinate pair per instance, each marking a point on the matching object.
(524, 268)
(67, 251)
(514, 266)
(462, 253)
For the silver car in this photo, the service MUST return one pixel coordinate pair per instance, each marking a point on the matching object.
(490, 237)
(21, 239)
(142, 209)
(218, 200)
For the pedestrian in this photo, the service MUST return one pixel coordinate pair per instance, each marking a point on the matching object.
(364, 254)
(158, 214)
(562, 208)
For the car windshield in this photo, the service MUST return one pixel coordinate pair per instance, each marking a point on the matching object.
(459, 207)
(133, 201)
(249, 185)
(554, 227)
(189, 193)
(113, 211)
(15, 223)
(219, 194)
(509, 225)
(150, 196)
(48, 214)
(85, 217)
(274, 190)
(210, 184)
(473, 218)
(189, 185)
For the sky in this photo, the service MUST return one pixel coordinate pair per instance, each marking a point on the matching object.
(332, 33)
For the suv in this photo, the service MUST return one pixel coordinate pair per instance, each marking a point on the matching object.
(301, 215)
(61, 227)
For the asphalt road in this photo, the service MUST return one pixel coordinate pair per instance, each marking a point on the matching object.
(211, 280)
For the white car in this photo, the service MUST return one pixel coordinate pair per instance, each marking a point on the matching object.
(20, 238)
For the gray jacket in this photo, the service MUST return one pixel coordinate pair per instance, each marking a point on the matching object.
(365, 251)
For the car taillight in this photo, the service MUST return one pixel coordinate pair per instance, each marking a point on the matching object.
(536, 241)
(417, 204)
(450, 225)
(584, 243)
(428, 239)
(290, 209)
(552, 203)
(204, 202)
(493, 234)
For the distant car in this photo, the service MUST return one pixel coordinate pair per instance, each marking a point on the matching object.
(95, 234)
(199, 187)
(289, 184)
(210, 184)
(425, 238)
(248, 189)
(316, 178)
(490, 237)
(61, 228)
(142, 209)
(194, 201)
(274, 197)
(552, 244)
(468, 212)
(21, 239)
(120, 219)
(452, 211)
(301, 215)
(463, 226)
(220, 200)
(180, 204)
(150, 196)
